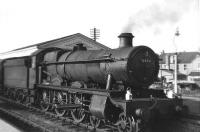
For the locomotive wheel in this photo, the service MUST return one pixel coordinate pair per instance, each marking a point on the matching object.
(95, 122)
(17, 95)
(124, 124)
(60, 101)
(78, 115)
(9, 94)
(20, 96)
(45, 101)
(12, 95)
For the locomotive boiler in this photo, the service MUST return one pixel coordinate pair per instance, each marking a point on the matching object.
(133, 66)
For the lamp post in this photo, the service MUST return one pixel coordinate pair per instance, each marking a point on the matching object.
(176, 63)
(175, 74)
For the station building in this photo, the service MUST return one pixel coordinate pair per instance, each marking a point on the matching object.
(67, 42)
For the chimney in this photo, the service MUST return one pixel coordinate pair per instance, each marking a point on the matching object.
(125, 40)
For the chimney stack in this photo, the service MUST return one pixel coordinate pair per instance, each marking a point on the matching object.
(125, 40)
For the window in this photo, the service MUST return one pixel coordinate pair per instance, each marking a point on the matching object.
(185, 67)
(171, 59)
(164, 66)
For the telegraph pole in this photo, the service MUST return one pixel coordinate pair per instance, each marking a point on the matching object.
(95, 33)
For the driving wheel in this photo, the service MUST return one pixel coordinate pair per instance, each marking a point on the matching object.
(124, 123)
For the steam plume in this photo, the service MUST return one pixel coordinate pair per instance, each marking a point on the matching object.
(170, 11)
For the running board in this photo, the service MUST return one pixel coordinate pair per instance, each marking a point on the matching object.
(68, 106)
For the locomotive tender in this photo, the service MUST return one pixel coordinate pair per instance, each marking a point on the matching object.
(109, 86)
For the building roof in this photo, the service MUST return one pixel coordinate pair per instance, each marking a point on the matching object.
(194, 74)
(183, 57)
(69, 42)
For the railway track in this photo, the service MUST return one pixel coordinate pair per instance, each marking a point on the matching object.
(187, 125)
(44, 121)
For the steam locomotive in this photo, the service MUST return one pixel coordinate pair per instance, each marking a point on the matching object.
(96, 86)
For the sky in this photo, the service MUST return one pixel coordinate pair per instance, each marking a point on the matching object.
(152, 22)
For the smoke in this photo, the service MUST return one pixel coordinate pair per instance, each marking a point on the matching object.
(157, 14)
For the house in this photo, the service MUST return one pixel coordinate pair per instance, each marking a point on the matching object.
(195, 77)
(188, 66)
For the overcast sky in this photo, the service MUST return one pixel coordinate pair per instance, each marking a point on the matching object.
(153, 22)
